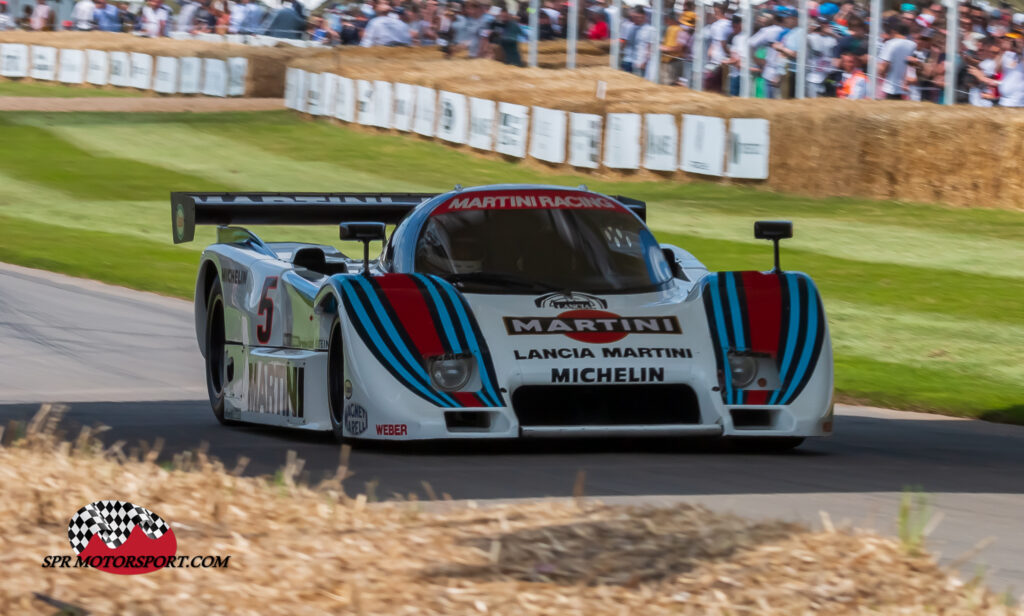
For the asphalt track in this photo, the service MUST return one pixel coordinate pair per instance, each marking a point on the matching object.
(129, 360)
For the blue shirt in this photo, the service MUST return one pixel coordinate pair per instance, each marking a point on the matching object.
(108, 18)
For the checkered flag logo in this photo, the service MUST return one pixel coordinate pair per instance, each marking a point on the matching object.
(114, 521)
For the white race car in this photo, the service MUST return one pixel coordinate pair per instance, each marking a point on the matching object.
(499, 312)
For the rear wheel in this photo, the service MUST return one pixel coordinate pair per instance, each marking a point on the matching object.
(336, 382)
(216, 367)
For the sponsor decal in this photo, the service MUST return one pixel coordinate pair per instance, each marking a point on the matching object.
(619, 374)
(123, 538)
(392, 430)
(355, 419)
(606, 352)
(235, 276)
(276, 388)
(315, 199)
(527, 201)
(593, 326)
(570, 301)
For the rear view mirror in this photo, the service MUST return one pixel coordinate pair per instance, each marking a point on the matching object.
(362, 231)
(773, 229)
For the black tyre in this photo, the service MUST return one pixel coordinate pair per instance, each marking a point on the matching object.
(777, 444)
(336, 382)
(216, 366)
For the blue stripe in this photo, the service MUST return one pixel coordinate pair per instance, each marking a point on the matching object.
(446, 320)
(812, 334)
(467, 328)
(364, 320)
(723, 335)
(737, 312)
(791, 334)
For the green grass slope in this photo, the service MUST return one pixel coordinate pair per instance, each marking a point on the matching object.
(58, 90)
(924, 302)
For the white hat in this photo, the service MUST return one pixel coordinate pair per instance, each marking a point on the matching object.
(1018, 19)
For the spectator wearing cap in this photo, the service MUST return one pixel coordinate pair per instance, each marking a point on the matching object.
(786, 49)
(675, 49)
(6, 21)
(821, 55)
(896, 55)
(108, 18)
(597, 24)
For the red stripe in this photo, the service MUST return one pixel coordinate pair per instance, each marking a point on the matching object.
(413, 314)
(466, 398)
(756, 397)
(764, 310)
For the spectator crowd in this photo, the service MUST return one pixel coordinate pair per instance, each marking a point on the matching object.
(912, 61)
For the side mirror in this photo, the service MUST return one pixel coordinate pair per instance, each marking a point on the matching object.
(364, 232)
(677, 270)
(774, 230)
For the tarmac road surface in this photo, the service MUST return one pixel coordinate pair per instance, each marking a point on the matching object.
(129, 360)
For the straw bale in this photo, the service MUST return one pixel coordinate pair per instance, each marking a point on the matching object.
(296, 549)
(266, 69)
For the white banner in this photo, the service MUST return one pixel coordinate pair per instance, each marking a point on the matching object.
(166, 79)
(404, 97)
(314, 93)
(191, 70)
(424, 111)
(96, 73)
(585, 140)
(142, 71)
(215, 77)
(237, 69)
(661, 141)
(382, 104)
(513, 122)
(120, 69)
(291, 87)
(13, 60)
(452, 121)
(44, 63)
(547, 135)
(72, 65)
(328, 86)
(622, 141)
(364, 102)
(703, 144)
(345, 99)
(481, 123)
(748, 148)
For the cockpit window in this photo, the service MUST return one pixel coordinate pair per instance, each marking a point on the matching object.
(525, 250)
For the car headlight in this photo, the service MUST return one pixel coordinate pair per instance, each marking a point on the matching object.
(742, 369)
(450, 373)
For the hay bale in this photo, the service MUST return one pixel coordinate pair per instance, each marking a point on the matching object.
(264, 76)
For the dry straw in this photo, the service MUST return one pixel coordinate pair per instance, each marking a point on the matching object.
(296, 549)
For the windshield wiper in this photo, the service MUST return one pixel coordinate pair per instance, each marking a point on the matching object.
(498, 279)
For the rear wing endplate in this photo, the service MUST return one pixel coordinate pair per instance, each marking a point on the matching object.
(189, 209)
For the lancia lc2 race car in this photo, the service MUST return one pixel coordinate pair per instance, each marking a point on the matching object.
(496, 312)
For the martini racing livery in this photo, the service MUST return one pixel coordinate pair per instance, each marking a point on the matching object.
(496, 312)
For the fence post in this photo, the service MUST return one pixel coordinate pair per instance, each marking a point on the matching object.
(747, 15)
(654, 62)
(699, 53)
(531, 58)
(573, 33)
(614, 35)
(873, 34)
(952, 47)
(801, 52)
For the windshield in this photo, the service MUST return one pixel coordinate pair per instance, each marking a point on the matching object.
(526, 250)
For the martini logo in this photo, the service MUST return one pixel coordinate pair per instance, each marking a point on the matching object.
(570, 301)
(594, 326)
(119, 537)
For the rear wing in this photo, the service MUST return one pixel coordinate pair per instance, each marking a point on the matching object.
(189, 209)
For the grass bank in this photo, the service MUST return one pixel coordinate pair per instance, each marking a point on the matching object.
(923, 301)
